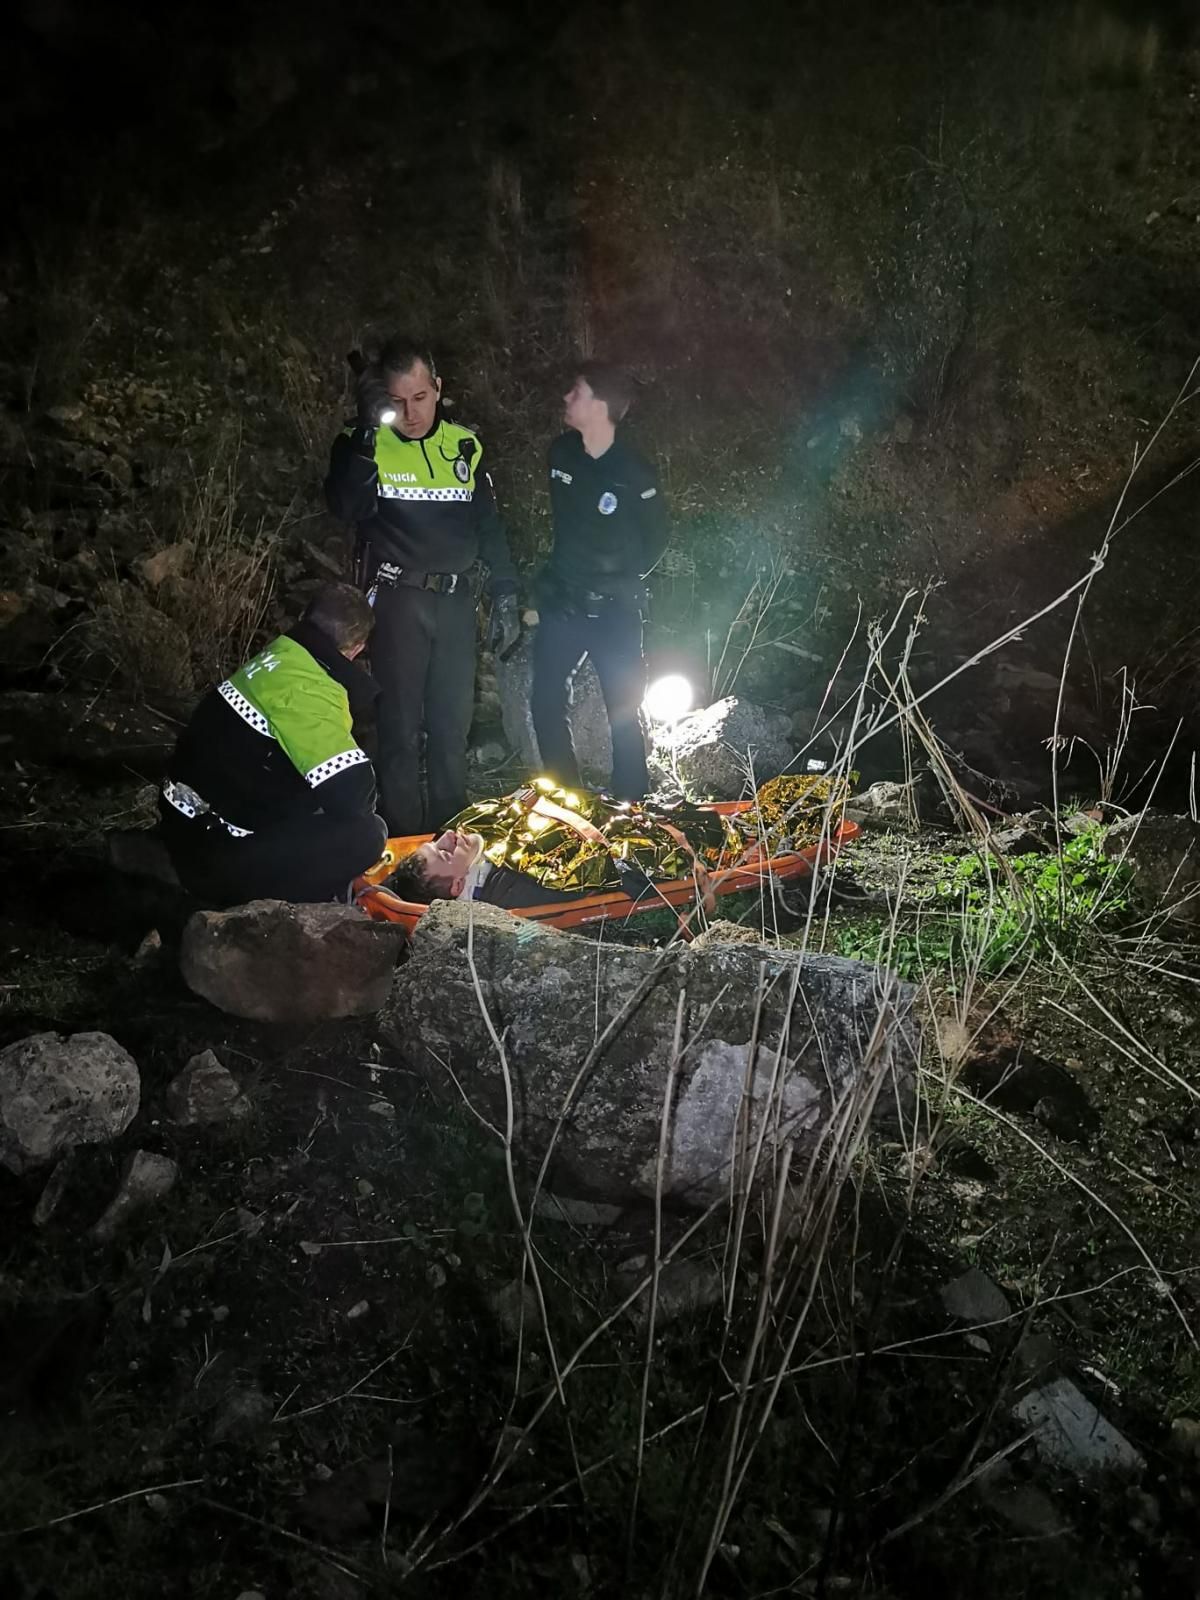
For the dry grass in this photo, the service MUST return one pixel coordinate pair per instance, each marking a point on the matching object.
(180, 631)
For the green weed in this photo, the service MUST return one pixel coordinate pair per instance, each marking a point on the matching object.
(982, 911)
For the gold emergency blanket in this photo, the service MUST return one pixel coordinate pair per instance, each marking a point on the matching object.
(789, 811)
(663, 842)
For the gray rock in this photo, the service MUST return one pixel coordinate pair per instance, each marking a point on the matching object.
(1018, 839)
(490, 754)
(722, 751)
(1025, 1507)
(205, 1092)
(172, 561)
(57, 1092)
(68, 420)
(56, 1186)
(684, 1288)
(515, 1306)
(889, 804)
(1164, 852)
(588, 715)
(575, 1213)
(149, 951)
(274, 962)
(973, 1297)
(116, 473)
(241, 1410)
(1071, 1433)
(539, 986)
(146, 1178)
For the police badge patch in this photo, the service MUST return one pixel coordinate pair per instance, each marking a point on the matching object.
(607, 503)
(462, 470)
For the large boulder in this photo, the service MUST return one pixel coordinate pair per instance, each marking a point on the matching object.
(588, 716)
(829, 1027)
(57, 1092)
(1164, 852)
(274, 962)
(722, 751)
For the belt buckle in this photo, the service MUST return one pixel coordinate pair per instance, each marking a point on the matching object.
(447, 582)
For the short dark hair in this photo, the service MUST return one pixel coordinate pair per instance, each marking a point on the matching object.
(410, 881)
(609, 383)
(401, 353)
(342, 614)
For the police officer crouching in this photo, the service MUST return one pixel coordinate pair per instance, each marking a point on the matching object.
(610, 528)
(414, 485)
(268, 795)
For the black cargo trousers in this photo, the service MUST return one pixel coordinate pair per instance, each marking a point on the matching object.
(612, 636)
(422, 654)
(303, 859)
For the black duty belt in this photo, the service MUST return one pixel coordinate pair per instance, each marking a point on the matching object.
(390, 576)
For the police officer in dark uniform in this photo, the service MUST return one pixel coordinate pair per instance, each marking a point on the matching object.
(610, 528)
(413, 483)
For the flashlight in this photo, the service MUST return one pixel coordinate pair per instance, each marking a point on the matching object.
(359, 365)
(668, 699)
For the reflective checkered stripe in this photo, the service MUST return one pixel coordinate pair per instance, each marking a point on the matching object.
(335, 764)
(248, 713)
(285, 694)
(405, 491)
(189, 804)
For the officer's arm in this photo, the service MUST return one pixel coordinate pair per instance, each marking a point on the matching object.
(352, 487)
(653, 521)
(493, 538)
(317, 734)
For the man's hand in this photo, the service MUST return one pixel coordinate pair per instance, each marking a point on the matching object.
(504, 629)
(373, 400)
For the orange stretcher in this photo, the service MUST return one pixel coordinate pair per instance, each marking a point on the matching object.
(751, 871)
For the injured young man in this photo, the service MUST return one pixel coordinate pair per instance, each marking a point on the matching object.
(546, 845)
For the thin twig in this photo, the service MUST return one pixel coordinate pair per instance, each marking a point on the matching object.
(101, 1505)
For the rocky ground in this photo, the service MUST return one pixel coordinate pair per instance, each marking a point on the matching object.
(289, 1367)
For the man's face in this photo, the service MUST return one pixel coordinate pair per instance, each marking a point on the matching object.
(415, 397)
(448, 859)
(581, 407)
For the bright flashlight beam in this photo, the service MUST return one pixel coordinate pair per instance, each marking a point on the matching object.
(668, 699)
(386, 417)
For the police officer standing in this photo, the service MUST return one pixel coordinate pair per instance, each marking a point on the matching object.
(610, 528)
(413, 483)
